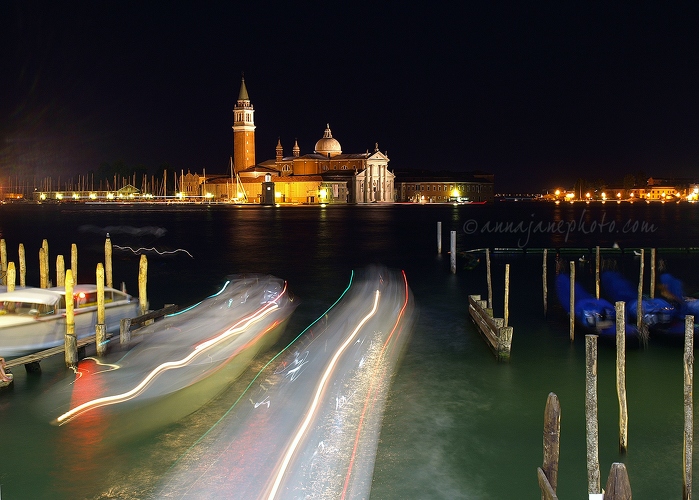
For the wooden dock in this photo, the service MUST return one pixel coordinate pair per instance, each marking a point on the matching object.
(498, 336)
(31, 361)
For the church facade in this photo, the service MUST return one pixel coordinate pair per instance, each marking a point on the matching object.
(327, 175)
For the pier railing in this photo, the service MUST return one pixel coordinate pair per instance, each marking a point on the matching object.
(31, 361)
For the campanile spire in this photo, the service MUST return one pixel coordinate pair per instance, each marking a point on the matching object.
(243, 130)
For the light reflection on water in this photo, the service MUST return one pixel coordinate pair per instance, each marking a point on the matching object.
(457, 425)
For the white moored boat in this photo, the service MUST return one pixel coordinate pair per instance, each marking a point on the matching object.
(33, 319)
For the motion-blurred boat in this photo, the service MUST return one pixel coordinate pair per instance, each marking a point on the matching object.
(309, 427)
(184, 360)
(33, 319)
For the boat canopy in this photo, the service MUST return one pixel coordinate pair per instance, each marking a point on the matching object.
(32, 296)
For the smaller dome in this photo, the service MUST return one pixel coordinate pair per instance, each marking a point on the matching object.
(328, 146)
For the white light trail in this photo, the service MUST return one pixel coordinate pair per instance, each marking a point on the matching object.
(240, 326)
(321, 385)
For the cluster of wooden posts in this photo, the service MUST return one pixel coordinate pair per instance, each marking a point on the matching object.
(499, 336)
(618, 486)
(496, 331)
(68, 278)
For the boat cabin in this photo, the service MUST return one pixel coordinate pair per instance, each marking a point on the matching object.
(45, 302)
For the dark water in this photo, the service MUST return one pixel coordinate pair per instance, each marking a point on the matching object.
(458, 424)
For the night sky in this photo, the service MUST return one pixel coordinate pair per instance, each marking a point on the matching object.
(538, 93)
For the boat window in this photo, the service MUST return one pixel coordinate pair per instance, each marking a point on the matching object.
(25, 308)
(85, 299)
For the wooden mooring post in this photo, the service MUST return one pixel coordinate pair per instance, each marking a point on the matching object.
(618, 486)
(60, 271)
(652, 273)
(621, 375)
(108, 261)
(688, 407)
(488, 278)
(100, 326)
(439, 237)
(591, 423)
(11, 276)
(548, 472)
(47, 268)
(22, 266)
(572, 301)
(639, 304)
(142, 281)
(597, 263)
(74, 261)
(452, 253)
(506, 314)
(544, 280)
(71, 341)
(498, 336)
(3, 262)
(43, 271)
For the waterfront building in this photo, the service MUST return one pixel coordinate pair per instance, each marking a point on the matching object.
(422, 186)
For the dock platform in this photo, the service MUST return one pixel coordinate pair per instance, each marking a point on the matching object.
(498, 336)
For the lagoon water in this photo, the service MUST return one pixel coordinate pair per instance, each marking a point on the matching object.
(457, 423)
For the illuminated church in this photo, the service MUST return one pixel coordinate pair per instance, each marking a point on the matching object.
(327, 175)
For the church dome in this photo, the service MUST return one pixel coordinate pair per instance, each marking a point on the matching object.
(328, 146)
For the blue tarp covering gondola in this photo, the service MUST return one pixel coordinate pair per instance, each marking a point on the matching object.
(619, 289)
(592, 313)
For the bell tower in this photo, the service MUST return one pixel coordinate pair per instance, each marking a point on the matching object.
(243, 130)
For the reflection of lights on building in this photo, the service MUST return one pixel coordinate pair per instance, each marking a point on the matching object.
(323, 193)
(42, 196)
(587, 195)
(110, 196)
(558, 192)
(93, 196)
(455, 193)
(209, 195)
(59, 196)
(277, 194)
(76, 196)
(570, 196)
(604, 195)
